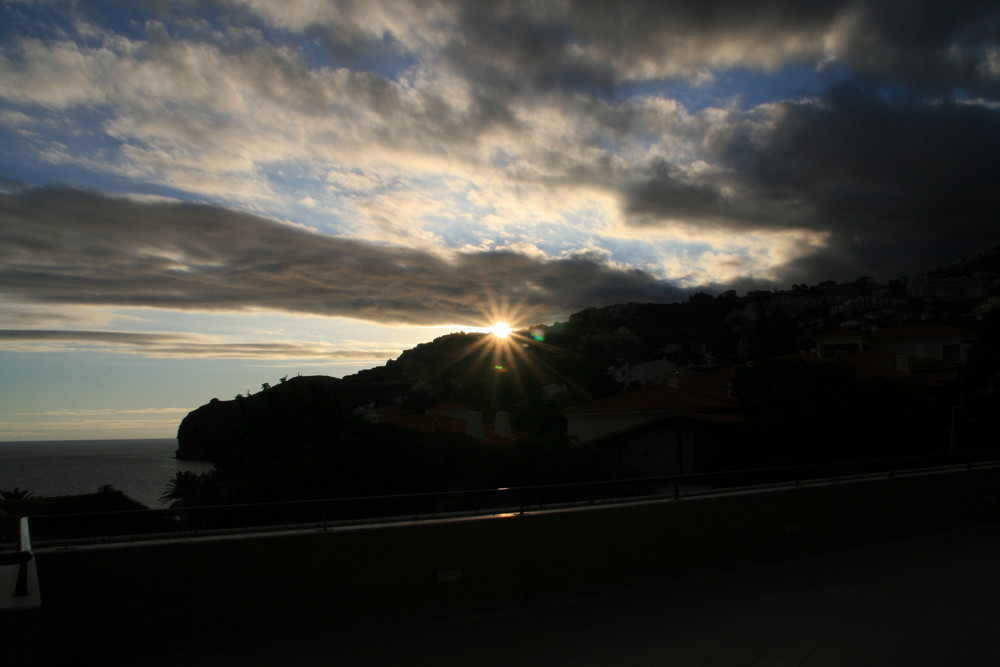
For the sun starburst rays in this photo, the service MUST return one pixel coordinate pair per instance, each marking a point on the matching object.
(508, 362)
(501, 329)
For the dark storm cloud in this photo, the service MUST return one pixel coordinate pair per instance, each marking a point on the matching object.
(926, 44)
(898, 185)
(506, 48)
(72, 247)
(668, 195)
(889, 162)
(592, 45)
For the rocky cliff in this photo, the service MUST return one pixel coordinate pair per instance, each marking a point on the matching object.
(219, 426)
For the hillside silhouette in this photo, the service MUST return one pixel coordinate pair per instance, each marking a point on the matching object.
(401, 427)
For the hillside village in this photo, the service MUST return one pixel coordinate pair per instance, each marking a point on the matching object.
(811, 374)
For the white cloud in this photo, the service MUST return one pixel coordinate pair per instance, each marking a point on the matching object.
(435, 125)
(57, 75)
(71, 428)
(216, 118)
(18, 315)
(178, 345)
(99, 412)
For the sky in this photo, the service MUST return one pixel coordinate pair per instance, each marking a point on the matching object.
(197, 197)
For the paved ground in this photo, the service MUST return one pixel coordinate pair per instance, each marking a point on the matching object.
(933, 601)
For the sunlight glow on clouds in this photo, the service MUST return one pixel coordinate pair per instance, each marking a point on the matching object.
(391, 161)
(187, 346)
(45, 426)
(249, 117)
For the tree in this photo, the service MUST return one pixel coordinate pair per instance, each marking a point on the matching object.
(191, 489)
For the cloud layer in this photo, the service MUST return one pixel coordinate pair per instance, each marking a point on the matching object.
(72, 247)
(572, 152)
(178, 345)
(177, 176)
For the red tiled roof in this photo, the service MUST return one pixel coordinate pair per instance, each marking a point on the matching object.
(720, 380)
(431, 423)
(426, 423)
(658, 398)
(449, 407)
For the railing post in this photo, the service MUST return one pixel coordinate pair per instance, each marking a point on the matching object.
(21, 559)
(21, 587)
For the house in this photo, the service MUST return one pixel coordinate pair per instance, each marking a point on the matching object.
(922, 340)
(951, 289)
(657, 430)
(460, 419)
(628, 375)
(904, 371)
(865, 303)
(926, 340)
(840, 343)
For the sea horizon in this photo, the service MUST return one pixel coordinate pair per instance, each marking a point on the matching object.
(141, 468)
(51, 440)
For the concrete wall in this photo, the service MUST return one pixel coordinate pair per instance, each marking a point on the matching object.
(102, 602)
(20, 624)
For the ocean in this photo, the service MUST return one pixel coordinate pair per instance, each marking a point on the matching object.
(139, 468)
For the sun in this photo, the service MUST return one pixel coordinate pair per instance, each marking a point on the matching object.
(500, 329)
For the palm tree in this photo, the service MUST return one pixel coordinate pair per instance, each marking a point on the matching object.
(188, 489)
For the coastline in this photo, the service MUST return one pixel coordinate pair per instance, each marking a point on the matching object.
(139, 467)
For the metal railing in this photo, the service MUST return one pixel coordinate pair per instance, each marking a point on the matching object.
(66, 530)
(21, 558)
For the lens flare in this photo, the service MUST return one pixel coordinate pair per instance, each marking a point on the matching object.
(500, 329)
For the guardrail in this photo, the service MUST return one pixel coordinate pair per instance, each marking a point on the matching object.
(21, 558)
(67, 530)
